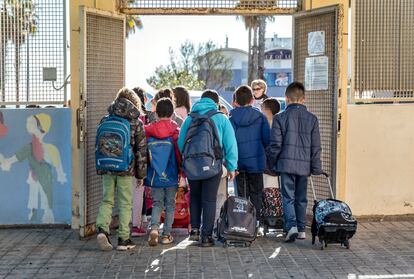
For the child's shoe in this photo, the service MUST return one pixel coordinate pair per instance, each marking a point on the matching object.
(167, 239)
(138, 231)
(124, 245)
(103, 240)
(292, 234)
(194, 235)
(153, 238)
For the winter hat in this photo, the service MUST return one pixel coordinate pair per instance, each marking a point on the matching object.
(43, 122)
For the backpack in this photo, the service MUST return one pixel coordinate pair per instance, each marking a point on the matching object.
(113, 150)
(162, 170)
(237, 221)
(202, 154)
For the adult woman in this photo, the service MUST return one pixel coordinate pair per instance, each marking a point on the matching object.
(259, 88)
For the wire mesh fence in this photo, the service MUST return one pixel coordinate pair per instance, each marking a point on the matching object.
(33, 52)
(213, 6)
(382, 50)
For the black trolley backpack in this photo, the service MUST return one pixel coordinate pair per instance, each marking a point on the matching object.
(332, 220)
(236, 224)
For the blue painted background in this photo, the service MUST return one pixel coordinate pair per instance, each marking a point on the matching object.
(14, 189)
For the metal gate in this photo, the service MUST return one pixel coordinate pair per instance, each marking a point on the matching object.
(102, 75)
(322, 100)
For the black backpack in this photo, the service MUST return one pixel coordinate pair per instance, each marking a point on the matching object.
(237, 222)
(202, 153)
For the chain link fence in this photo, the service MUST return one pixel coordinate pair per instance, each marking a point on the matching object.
(33, 52)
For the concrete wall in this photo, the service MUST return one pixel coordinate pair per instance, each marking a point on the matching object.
(380, 159)
(35, 166)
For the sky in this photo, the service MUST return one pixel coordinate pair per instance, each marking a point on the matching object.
(148, 47)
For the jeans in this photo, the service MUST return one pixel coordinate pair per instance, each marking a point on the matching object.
(203, 198)
(124, 191)
(250, 186)
(294, 190)
(163, 198)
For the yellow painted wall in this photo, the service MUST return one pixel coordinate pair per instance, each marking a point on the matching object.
(106, 5)
(380, 159)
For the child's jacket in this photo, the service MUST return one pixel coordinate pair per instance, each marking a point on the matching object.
(252, 134)
(295, 144)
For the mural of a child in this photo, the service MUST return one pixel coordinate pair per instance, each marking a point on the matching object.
(42, 157)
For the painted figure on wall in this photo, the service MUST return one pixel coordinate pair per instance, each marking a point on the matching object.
(42, 158)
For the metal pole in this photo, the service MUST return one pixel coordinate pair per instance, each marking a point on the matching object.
(65, 97)
(27, 69)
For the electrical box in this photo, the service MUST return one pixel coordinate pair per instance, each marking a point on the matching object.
(49, 74)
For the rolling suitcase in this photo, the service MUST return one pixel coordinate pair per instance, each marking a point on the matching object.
(271, 216)
(236, 224)
(332, 220)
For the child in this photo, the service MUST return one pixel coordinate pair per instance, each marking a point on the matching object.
(126, 106)
(270, 107)
(294, 152)
(165, 93)
(163, 169)
(252, 135)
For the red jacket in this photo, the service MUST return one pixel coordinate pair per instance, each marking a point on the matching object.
(164, 129)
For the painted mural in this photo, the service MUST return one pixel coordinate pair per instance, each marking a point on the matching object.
(35, 166)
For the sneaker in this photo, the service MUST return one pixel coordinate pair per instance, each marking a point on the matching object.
(167, 239)
(138, 231)
(153, 238)
(144, 218)
(104, 241)
(207, 241)
(301, 235)
(195, 235)
(292, 234)
(124, 245)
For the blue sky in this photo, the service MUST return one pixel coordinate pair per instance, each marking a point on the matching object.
(148, 47)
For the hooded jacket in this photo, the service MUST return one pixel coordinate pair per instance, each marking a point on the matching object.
(225, 131)
(163, 129)
(295, 143)
(252, 134)
(125, 109)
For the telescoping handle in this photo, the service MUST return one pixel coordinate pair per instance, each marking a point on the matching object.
(329, 184)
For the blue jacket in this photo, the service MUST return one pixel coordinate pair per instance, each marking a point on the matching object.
(225, 132)
(252, 134)
(295, 144)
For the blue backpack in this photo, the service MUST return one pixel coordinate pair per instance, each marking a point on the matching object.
(113, 150)
(202, 153)
(162, 170)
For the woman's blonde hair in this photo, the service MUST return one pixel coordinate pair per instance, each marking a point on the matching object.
(261, 83)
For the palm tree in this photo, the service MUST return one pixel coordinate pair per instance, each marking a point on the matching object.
(257, 25)
(132, 22)
(22, 21)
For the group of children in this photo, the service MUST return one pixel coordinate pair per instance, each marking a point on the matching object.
(254, 137)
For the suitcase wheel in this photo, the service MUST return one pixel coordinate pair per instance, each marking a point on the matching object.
(247, 244)
(324, 244)
(347, 243)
